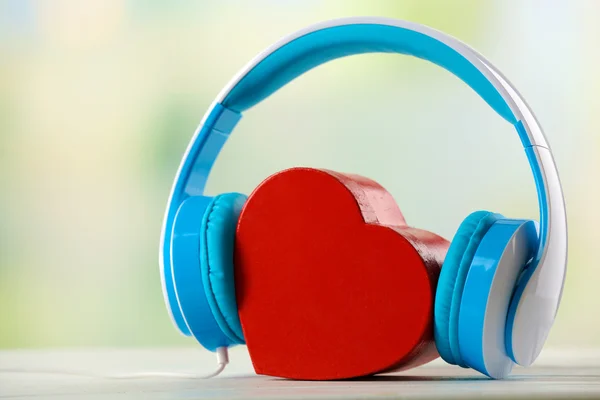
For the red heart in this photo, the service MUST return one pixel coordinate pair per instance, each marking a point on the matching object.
(330, 282)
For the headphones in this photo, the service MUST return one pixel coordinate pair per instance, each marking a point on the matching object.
(502, 279)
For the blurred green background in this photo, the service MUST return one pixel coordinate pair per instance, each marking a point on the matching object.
(98, 100)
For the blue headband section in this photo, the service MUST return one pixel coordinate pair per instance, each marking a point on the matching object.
(316, 48)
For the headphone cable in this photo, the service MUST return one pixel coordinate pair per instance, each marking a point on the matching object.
(222, 361)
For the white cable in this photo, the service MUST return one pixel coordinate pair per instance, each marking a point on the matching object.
(222, 361)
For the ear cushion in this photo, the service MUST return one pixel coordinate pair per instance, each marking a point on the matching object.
(217, 235)
(452, 281)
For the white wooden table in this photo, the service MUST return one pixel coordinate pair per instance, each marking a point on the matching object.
(557, 374)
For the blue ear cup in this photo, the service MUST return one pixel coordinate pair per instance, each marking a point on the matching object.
(452, 280)
(499, 262)
(216, 261)
(202, 268)
(475, 287)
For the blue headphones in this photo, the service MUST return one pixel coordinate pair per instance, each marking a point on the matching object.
(502, 279)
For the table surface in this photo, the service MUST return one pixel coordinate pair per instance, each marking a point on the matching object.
(85, 374)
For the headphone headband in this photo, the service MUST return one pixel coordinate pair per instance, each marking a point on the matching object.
(540, 288)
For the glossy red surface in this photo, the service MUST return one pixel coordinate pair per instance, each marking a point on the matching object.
(330, 281)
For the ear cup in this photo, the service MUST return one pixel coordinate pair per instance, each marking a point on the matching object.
(507, 247)
(452, 280)
(217, 235)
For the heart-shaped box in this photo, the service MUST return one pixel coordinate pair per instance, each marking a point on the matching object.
(330, 281)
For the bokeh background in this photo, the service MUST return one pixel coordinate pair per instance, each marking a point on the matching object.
(98, 100)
